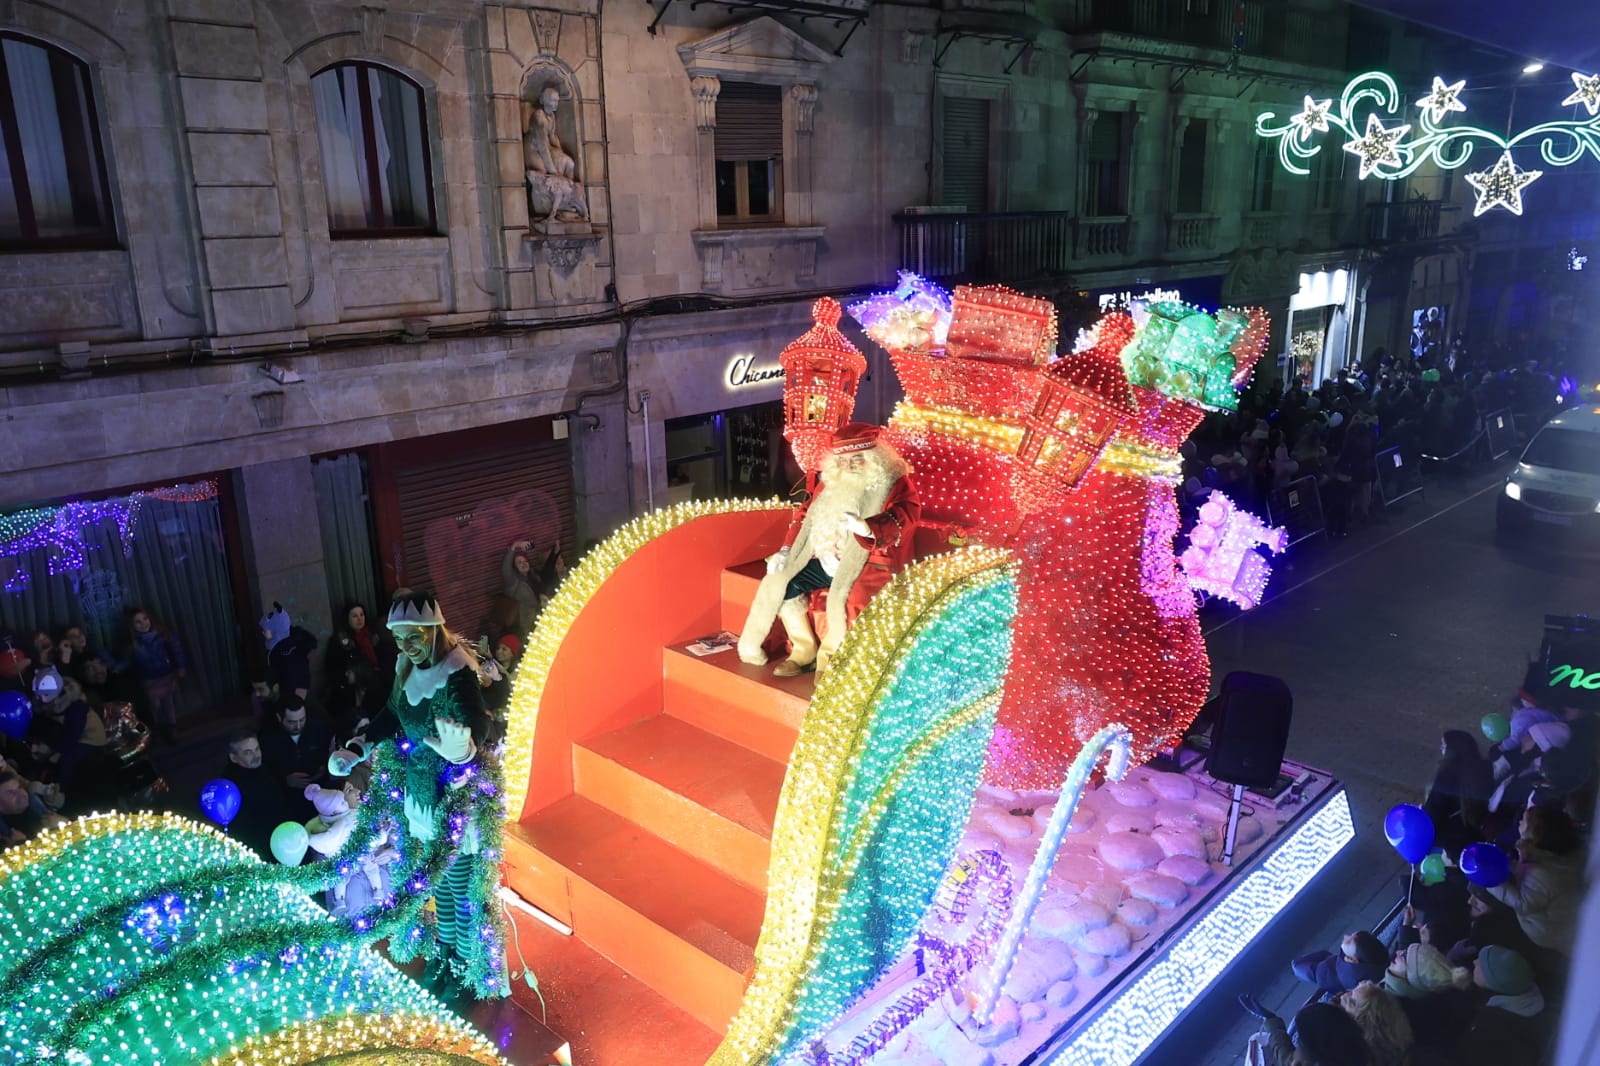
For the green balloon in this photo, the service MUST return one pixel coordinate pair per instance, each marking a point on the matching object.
(1432, 869)
(1495, 727)
(289, 843)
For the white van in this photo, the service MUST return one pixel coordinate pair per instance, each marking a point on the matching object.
(1557, 481)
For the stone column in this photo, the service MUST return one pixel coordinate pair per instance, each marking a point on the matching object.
(283, 548)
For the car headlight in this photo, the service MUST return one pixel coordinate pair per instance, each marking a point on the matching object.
(1513, 490)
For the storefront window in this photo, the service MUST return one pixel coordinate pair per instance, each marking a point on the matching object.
(730, 453)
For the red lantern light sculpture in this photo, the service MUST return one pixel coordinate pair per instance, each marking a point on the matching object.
(821, 370)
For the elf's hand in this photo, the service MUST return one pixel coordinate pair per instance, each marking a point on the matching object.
(454, 742)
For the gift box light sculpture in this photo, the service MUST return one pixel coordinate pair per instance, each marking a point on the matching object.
(1220, 559)
(821, 370)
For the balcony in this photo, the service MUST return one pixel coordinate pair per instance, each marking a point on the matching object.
(1106, 236)
(1267, 28)
(1191, 234)
(1008, 247)
(1267, 229)
(1407, 222)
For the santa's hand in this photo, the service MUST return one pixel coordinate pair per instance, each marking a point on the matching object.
(777, 560)
(853, 523)
(454, 742)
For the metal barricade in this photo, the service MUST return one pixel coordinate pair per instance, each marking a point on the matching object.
(1297, 507)
(1399, 474)
(1500, 429)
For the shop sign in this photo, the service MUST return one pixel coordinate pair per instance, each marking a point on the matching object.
(743, 371)
(1575, 677)
(1127, 297)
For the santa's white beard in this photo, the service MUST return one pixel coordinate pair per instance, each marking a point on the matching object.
(860, 492)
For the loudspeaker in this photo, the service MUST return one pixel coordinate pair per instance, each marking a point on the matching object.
(1251, 730)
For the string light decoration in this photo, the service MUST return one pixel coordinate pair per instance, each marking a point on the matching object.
(575, 590)
(1220, 559)
(821, 370)
(1112, 741)
(1391, 151)
(59, 530)
(1106, 626)
(1501, 185)
(915, 316)
(1129, 1023)
(878, 792)
(193, 952)
(992, 322)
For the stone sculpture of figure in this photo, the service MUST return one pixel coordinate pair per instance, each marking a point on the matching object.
(554, 192)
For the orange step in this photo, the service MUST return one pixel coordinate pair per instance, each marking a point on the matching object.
(679, 925)
(742, 704)
(712, 798)
(739, 584)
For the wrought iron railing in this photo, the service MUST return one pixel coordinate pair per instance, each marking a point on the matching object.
(1404, 222)
(1009, 246)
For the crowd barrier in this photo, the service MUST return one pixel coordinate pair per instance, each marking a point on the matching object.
(1298, 508)
(1500, 431)
(1399, 474)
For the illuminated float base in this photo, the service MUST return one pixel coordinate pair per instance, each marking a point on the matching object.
(1067, 1002)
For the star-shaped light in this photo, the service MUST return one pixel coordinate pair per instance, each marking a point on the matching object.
(1313, 117)
(1378, 147)
(1443, 99)
(1587, 92)
(1501, 185)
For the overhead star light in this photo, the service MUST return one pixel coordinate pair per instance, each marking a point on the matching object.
(1313, 117)
(1443, 99)
(1378, 147)
(1587, 92)
(1501, 185)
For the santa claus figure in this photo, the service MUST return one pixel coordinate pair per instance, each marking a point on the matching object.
(850, 538)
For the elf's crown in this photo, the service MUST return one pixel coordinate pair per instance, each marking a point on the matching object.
(419, 609)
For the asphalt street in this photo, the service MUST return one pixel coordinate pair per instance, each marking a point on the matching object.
(1417, 623)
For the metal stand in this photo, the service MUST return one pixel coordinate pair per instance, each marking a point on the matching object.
(1233, 825)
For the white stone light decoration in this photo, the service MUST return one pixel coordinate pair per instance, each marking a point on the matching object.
(1501, 185)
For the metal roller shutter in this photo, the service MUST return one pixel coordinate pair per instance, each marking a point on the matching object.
(459, 515)
(749, 121)
(966, 153)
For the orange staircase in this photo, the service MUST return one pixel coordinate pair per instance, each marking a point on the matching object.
(657, 856)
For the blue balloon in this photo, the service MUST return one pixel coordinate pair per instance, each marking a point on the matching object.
(219, 799)
(1409, 831)
(16, 711)
(1485, 864)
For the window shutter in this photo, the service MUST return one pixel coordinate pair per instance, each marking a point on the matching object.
(1105, 137)
(966, 153)
(749, 121)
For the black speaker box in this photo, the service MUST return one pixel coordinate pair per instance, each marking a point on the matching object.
(1251, 730)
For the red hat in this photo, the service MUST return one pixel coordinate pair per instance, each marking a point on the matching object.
(856, 437)
(511, 641)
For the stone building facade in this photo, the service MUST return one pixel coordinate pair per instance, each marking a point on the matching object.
(421, 234)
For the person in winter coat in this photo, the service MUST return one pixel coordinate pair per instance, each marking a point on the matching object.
(1458, 796)
(1324, 1035)
(289, 649)
(1510, 1025)
(87, 766)
(262, 806)
(1545, 889)
(358, 666)
(1434, 994)
(1383, 1023)
(156, 658)
(1361, 957)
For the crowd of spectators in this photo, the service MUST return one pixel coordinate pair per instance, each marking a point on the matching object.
(1474, 973)
(1334, 432)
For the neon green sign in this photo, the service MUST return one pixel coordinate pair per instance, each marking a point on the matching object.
(1575, 678)
(1391, 144)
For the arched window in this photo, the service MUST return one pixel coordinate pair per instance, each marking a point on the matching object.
(374, 134)
(53, 187)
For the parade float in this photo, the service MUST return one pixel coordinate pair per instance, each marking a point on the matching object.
(942, 847)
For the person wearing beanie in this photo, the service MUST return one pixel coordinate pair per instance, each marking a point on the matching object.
(1510, 1023)
(1361, 957)
(1435, 996)
(289, 649)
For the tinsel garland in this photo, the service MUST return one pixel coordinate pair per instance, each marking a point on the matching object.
(472, 798)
